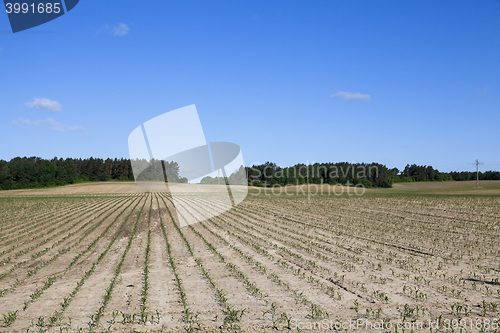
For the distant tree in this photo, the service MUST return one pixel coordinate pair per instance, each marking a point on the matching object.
(62, 177)
(238, 177)
(172, 171)
(208, 180)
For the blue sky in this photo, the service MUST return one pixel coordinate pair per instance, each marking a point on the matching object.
(393, 82)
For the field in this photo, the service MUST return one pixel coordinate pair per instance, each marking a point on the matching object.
(113, 257)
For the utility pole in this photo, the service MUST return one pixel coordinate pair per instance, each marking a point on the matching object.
(477, 173)
(307, 175)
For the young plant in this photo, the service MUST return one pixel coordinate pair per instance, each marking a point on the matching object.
(10, 318)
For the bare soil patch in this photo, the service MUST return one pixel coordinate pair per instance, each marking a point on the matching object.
(274, 262)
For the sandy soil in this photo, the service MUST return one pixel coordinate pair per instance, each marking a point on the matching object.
(317, 261)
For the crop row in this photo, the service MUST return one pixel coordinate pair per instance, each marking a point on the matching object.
(57, 243)
(57, 315)
(37, 293)
(316, 310)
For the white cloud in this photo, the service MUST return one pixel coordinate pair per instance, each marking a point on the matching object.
(118, 30)
(21, 120)
(45, 104)
(121, 29)
(53, 124)
(351, 96)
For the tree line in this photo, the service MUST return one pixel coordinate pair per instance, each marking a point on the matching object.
(269, 174)
(367, 174)
(418, 173)
(35, 172)
(237, 177)
(467, 175)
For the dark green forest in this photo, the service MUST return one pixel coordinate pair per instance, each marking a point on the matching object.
(269, 174)
(369, 175)
(35, 172)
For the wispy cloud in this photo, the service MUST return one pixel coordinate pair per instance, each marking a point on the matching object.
(117, 30)
(351, 96)
(53, 124)
(45, 104)
(21, 120)
(483, 91)
(121, 29)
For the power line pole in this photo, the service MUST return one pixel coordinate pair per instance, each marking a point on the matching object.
(477, 173)
(308, 197)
